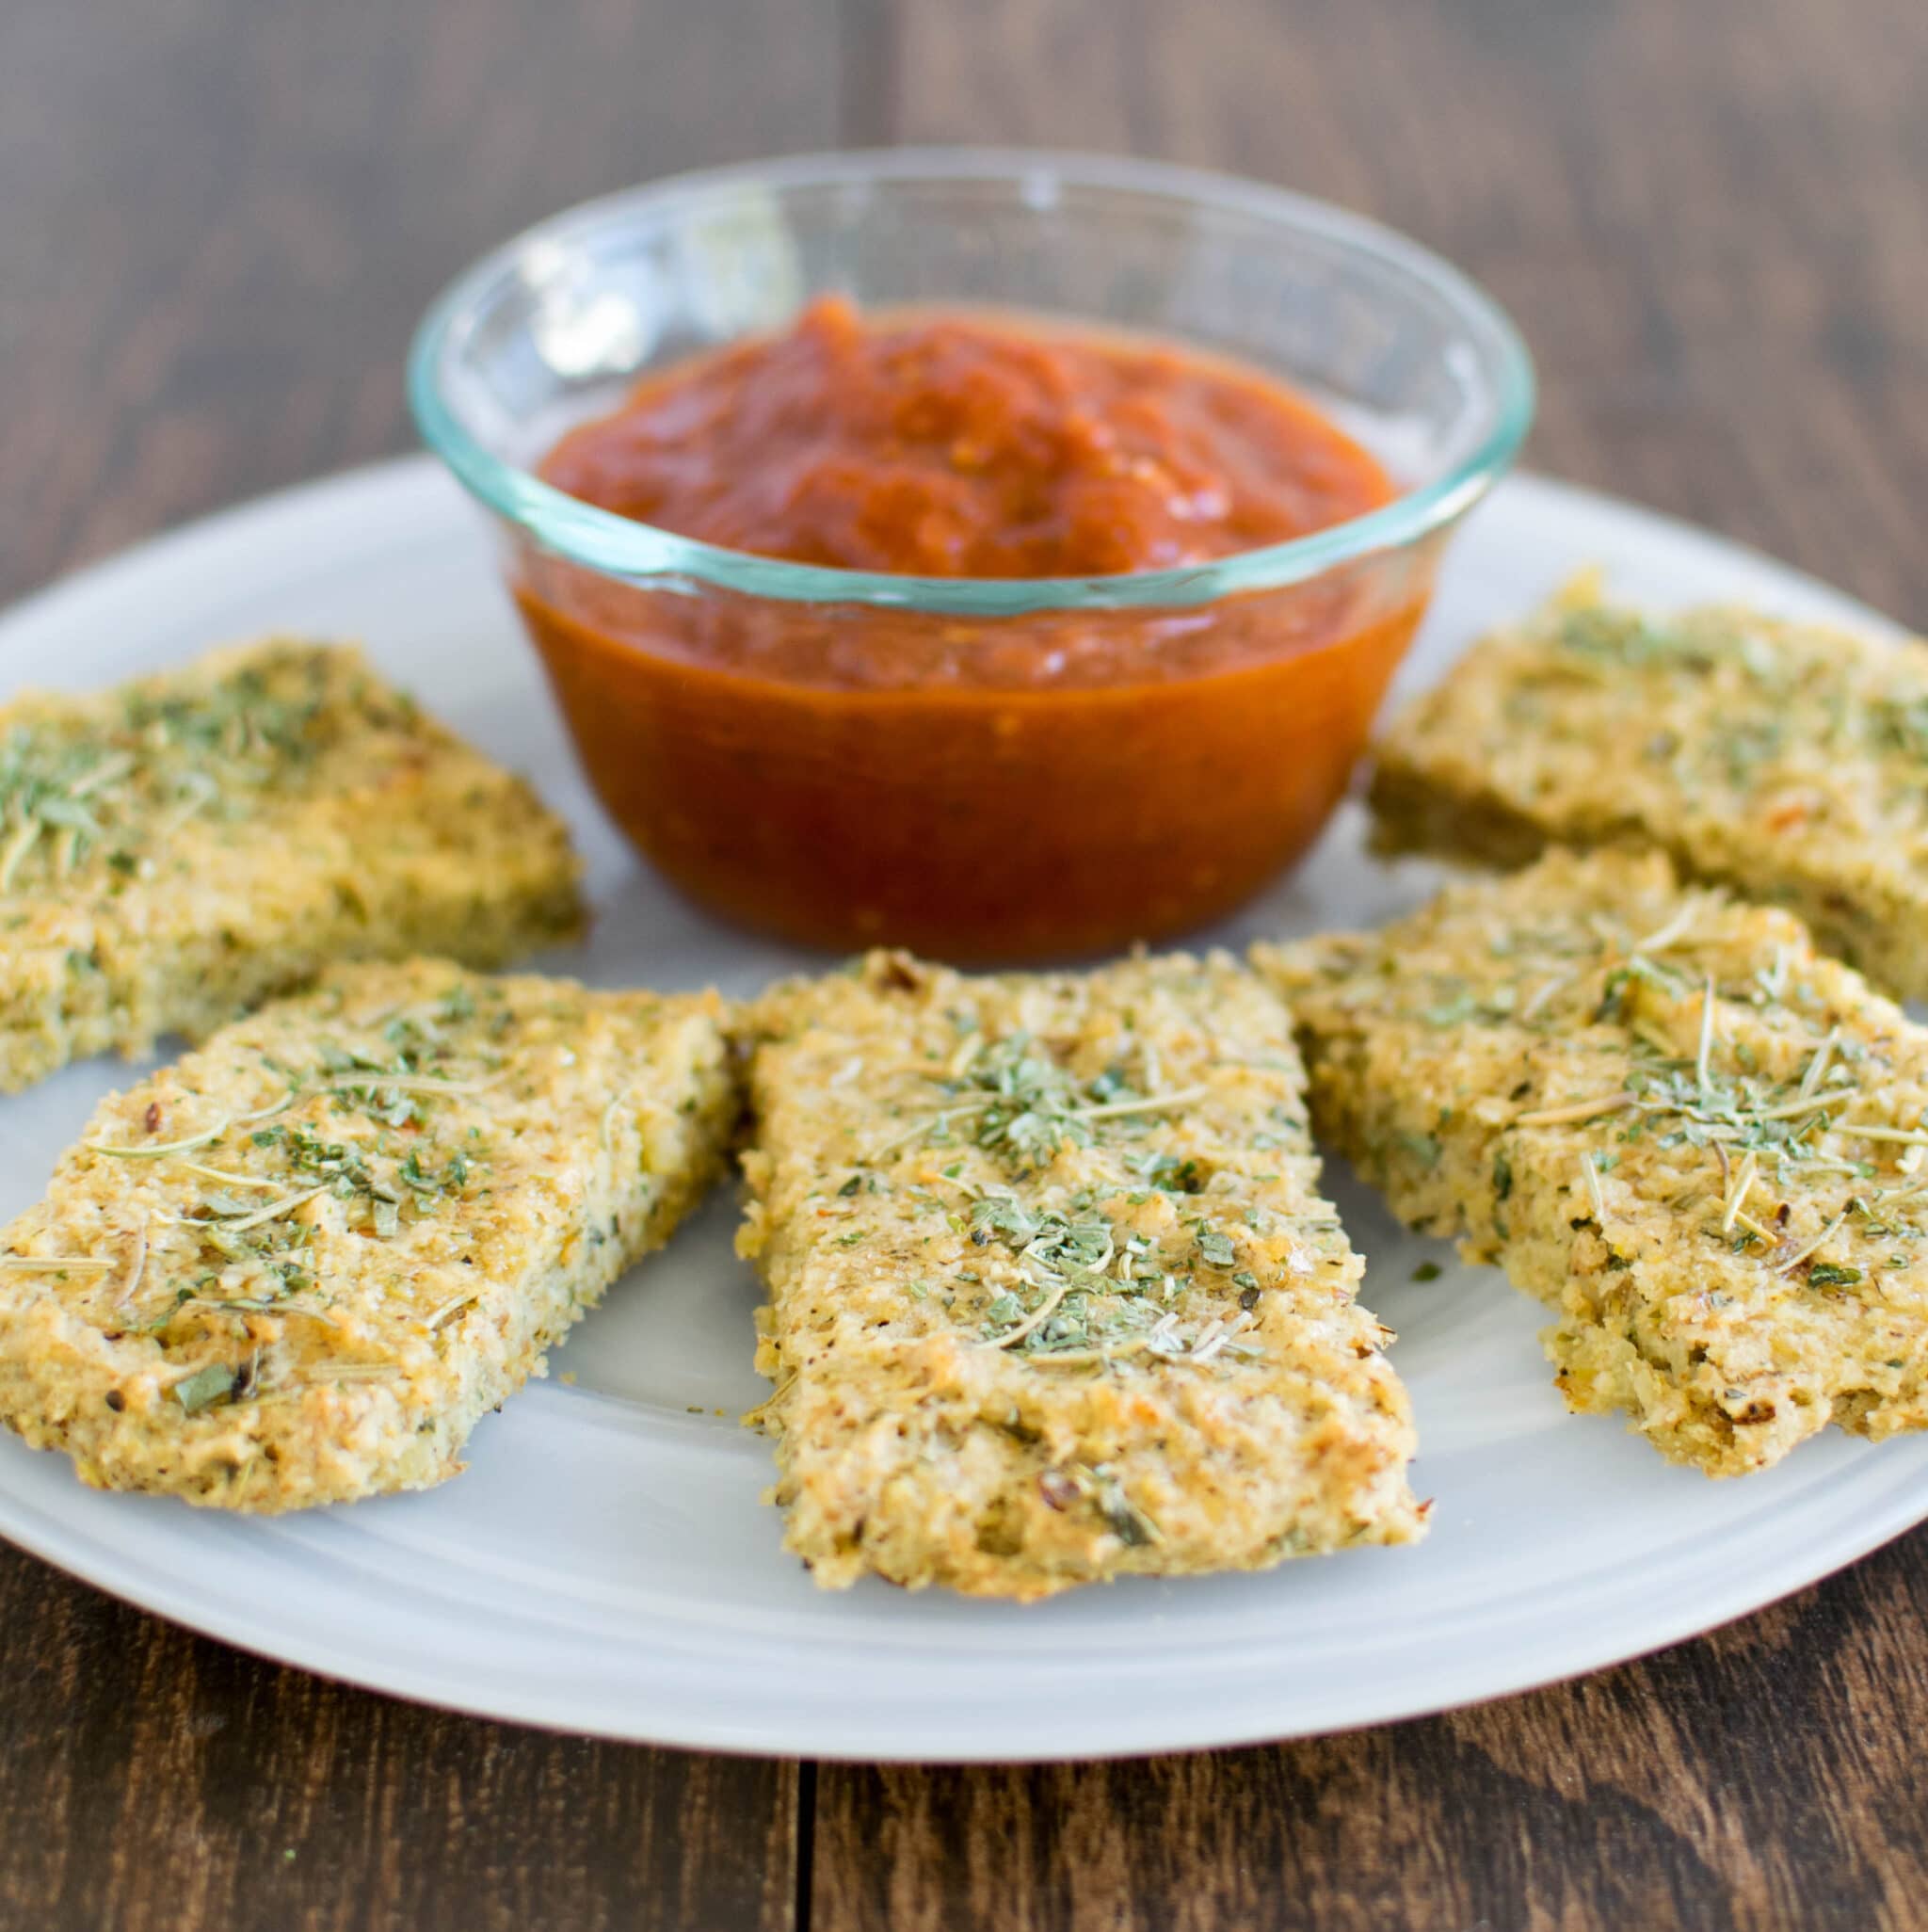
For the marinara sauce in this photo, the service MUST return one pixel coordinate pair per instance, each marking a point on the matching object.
(1044, 784)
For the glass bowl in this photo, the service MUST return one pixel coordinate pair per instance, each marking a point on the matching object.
(1010, 769)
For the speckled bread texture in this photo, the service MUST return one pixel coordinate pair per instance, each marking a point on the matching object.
(299, 1266)
(178, 850)
(1786, 762)
(1054, 1295)
(1698, 1141)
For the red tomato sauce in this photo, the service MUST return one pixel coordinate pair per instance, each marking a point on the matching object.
(1031, 786)
(943, 447)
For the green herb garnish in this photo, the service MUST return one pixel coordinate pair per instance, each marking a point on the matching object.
(1830, 1275)
(207, 1388)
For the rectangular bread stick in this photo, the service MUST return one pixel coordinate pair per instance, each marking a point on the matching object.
(1787, 762)
(178, 850)
(1053, 1294)
(1701, 1143)
(297, 1267)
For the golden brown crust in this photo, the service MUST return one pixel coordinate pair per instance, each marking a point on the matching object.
(180, 849)
(1716, 1194)
(297, 1267)
(1054, 1296)
(1784, 761)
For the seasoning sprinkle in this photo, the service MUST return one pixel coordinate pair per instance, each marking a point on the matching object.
(1592, 1175)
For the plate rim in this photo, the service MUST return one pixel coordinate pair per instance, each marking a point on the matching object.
(416, 467)
(1470, 1678)
(1462, 1685)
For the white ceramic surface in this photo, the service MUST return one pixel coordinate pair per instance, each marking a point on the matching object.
(605, 1564)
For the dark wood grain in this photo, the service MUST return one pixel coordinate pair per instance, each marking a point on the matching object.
(223, 217)
(219, 220)
(153, 1780)
(1768, 1776)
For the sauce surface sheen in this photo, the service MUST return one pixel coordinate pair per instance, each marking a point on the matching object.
(944, 446)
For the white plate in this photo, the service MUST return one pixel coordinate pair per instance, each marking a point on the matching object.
(607, 1564)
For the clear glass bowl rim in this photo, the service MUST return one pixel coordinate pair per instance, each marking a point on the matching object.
(623, 548)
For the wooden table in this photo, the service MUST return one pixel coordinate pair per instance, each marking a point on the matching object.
(219, 218)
